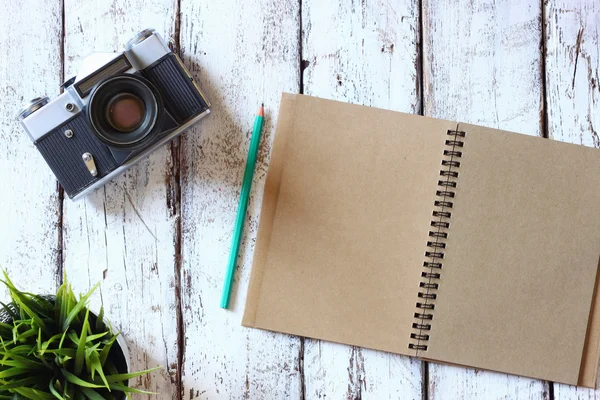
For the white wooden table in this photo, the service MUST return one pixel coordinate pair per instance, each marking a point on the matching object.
(158, 237)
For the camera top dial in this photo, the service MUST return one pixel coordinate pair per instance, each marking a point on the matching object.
(32, 107)
(140, 37)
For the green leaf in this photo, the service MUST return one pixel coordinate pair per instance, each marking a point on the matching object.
(73, 337)
(24, 349)
(42, 305)
(106, 349)
(48, 342)
(13, 372)
(64, 352)
(34, 394)
(66, 358)
(62, 303)
(80, 357)
(69, 390)
(110, 367)
(127, 389)
(100, 320)
(11, 310)
(91, 394)
(78, 381)
(24, 362)
(123, 377)
(30, 381)
(22, 337)
(25, 303)
(5, 328)
(54, 392)
(97, 367)
(62, 339)
(97, 336)
(77, 308)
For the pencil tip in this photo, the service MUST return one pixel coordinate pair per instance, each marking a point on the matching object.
(261, 110)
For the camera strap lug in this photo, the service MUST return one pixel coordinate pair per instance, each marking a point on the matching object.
(88, 159)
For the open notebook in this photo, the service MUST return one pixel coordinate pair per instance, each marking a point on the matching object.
(436, 239)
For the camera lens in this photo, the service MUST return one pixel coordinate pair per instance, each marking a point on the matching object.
(125, 112)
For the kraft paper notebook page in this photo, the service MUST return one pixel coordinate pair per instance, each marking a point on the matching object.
(430, 238)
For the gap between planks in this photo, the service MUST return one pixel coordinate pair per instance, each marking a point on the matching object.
(303, 64)
(174, 206)
(59, 188)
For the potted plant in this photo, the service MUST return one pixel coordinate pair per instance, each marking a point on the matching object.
(54, 347)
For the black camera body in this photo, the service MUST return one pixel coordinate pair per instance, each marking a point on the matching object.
(118, 109)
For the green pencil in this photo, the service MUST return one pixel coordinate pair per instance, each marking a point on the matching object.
(242, 206)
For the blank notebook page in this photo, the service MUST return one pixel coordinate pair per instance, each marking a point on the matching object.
(521, 257)
(345, 216)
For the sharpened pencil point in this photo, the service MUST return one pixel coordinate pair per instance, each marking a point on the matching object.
(261, 110)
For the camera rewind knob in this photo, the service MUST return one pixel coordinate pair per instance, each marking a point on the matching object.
(139, 38)
(32, 107)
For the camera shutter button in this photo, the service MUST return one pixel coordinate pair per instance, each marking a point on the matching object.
(88, 159)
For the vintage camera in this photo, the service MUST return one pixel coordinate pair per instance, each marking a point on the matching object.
(118, 109)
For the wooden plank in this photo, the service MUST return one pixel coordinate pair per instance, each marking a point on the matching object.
(572, 71)
(482, 64)
(30, 66)
(573, 93)
(124, 234)
(364, 53)
(242, 53)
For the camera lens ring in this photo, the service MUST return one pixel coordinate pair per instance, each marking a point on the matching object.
(103, 96)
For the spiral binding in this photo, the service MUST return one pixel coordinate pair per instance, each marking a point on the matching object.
(435, 253)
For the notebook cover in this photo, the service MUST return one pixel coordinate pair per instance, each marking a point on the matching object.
(345, 219)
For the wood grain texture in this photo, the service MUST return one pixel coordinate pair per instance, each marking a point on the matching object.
(572, 71)
(123, 234)
(573, 93)
(242, 54)
(482, 65)
(364, 53)
(30, 66)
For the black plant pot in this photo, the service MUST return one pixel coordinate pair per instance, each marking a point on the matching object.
(119, 354)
